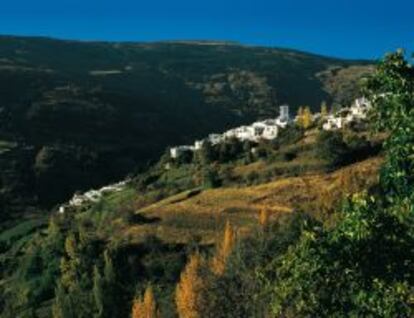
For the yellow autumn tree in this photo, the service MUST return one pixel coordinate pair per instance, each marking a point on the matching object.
(324, 110)
(307, 118)
(299, 120)
(147, 307)
(189, 296)
(264, 218)
(218, 263)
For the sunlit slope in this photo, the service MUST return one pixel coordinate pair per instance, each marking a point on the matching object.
(195, 215)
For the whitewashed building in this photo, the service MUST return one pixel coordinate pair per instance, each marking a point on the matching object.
(198, 144)
(284, 113)
(92, 196)
(358, 111)
(267, 129)
(215, 138)
(175, 152)
(333, 123)
(360, 107)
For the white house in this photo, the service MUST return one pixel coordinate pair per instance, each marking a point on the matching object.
(270, 132)
(175, 152)
(362, 102)
(92, 196)
(244, 133)
(357, 112)
(232, 133)
(333, 123)
(198, 144)
(267, 129)
(215, 138)
(360, 107)
(281, 123)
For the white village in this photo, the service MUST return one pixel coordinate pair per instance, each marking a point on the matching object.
(261, 130)
(268, 129)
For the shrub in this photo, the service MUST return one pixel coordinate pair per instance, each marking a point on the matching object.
(211, 178)
(288, 136)
(331, 147)
(289, 155)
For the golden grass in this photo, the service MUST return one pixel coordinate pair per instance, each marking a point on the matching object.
(182, 218)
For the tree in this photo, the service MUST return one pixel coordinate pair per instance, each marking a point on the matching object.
(105, 290)
(185, 157)
(324, 109)
(61, 308)
(332, 148)
(211, 178)
(218, 263)
(147, 307)
(98, 293)
(223, 152)
(78, 279)
(189, 296)
(307, 118)
(70, 264)
(109, 272)
(392, 95)
(206, 154)
(264, 218)
(300, 113)
(363, 267)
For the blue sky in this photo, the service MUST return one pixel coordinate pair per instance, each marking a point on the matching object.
(343, 28)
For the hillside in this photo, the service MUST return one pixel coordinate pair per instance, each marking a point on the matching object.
(181, 217)
(75, 115)
(162, 215)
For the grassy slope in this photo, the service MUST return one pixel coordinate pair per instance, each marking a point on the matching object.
(180, 218)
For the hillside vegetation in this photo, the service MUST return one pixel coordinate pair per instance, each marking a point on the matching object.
(145, 233)
(314, 223)
(82, 114)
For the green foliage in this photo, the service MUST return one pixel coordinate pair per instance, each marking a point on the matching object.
(338, 149)
(98, 292)
(211, 178)
(61, 308)
(290, 135)
(242, 290)
(392, 91)
(331, 147)
(351, 269)
(206, 154)
(19, 231)
(364, 266)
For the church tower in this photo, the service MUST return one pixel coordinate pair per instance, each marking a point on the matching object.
(284, 113)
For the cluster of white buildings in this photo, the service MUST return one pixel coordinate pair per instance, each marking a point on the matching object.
(358, 111)
(267, 129)
(92, 196)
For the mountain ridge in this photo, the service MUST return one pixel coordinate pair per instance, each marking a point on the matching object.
(186, 41)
